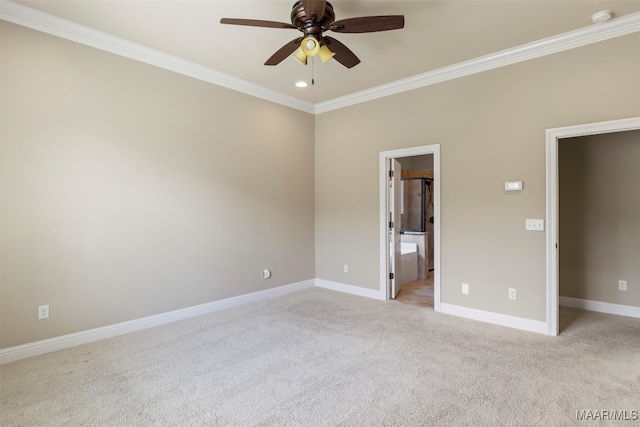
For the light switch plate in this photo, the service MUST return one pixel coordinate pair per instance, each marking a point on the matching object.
(534, 224)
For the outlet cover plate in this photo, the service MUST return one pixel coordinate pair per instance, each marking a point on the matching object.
(43, 312)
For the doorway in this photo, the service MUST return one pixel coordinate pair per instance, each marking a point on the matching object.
(387, 238)
(552, 141)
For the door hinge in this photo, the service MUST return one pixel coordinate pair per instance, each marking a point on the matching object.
(391, 276)
(390, 174)
(391, 225)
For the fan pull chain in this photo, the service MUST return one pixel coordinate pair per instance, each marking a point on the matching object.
(313, 61)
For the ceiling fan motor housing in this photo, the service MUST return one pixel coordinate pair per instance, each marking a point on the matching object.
(309, 25)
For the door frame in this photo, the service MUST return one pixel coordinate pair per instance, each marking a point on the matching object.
(385, 156)
(553, 135)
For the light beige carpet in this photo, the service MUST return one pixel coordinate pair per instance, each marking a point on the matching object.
(322, 358)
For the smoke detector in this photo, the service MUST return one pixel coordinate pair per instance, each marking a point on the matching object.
(602, 16)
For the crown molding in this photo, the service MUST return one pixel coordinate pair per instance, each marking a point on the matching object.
(592, 34)
(46, 23)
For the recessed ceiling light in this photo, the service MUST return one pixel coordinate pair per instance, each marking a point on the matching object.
(301, 84)
(602, 16)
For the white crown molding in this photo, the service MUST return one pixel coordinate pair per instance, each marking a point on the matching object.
(46, 23)
(592, 34)
(40, 21)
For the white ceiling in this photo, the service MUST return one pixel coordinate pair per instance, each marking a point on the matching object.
(436, 34)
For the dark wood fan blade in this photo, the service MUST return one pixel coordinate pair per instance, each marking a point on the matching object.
(368, 24)
(342, 53)
(314, 7)
(283, 52)
(257, 23)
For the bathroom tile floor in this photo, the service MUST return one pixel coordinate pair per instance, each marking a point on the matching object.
(418, 292)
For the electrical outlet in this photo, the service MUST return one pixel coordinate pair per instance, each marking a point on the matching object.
(346, 268)
(622, 285)
(512, 293)
(43, 312)
(465, 288)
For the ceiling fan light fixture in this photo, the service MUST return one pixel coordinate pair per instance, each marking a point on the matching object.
(325, 53)
(310, 46)
(300, 56)
(301, 84)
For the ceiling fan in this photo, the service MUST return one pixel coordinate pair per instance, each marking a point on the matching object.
(313, 18)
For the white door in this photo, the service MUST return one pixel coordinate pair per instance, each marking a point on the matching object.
(395, 208)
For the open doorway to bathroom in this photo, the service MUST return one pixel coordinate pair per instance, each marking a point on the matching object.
(416, 230)
(410, 232)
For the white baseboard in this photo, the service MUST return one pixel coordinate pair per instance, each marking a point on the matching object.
(350, 289)
(495, 318)
(601, 307)
(37, 348)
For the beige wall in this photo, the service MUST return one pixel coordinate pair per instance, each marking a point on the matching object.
(491, 129)
(417, 162)
(127, 190)
(599, 217)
